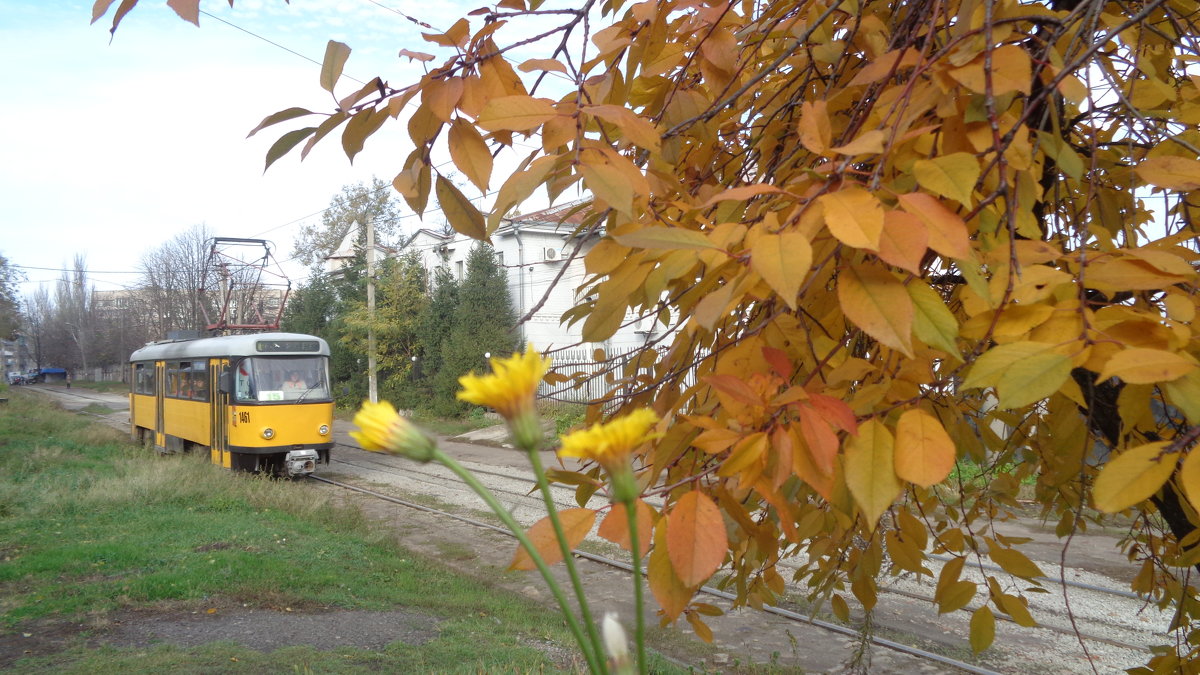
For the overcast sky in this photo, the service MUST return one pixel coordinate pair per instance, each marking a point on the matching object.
(110, 150)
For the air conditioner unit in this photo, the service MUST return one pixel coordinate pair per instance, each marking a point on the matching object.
(551, 254)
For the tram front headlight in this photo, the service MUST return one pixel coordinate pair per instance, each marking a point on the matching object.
(268, 433)
(323, 429)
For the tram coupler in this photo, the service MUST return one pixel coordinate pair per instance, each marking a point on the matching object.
(300, 462)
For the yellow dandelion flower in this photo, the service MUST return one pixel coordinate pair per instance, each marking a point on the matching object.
(510, 387)
(385, 430)
(611, 443)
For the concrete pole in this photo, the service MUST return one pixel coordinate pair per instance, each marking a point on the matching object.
(372, 382)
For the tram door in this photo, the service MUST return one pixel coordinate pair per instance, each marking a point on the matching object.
(219, 413)
(160, 388)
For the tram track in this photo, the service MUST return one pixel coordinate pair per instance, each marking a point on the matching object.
(1051, 620)
(960, 666)
(563, 498)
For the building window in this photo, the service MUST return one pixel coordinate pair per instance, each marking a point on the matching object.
(458, 269)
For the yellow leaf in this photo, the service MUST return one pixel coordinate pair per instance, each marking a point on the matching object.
(952, 176)
(1140, 365)
(1014, 562)
(868, 469)
(441, 96)
(1133, 477)
(954, 596)
(470, 153)
(903, 241)
(576, 524)
(336, 54)
(1011, 71)
(1125, 274)
(854, 216)
(782, 261)
(933, 323)
(741, 193)
(1189, 478)
(1184, 393)
(867, 143)
(1021, 372)
(815, 134)
(668, 238)
(983, 629)
(877, 303)
(459, 211)
(633, 128)
(516, 113)
(924, 452)
(948, 233)
(610, 182)
(696, 539)
(1170, 172)
(542, 64)
(518, 187)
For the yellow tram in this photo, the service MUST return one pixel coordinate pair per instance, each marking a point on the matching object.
(254, 402)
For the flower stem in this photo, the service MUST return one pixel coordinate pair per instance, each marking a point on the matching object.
(589, 653)
(635, 556)
(568, 557)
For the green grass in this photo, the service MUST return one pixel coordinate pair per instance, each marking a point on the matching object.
(90, 525)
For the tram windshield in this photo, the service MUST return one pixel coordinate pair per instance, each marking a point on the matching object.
(276, 378)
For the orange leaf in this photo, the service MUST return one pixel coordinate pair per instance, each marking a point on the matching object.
(615, 526)
(903, 241)
(924, 452)
(948, 233)
(696, 539)
(854, 216)
(821, 440)
(576, 524)
(877, 303)
(835, 411)
(806, 469)
(670, 592)
(869, 473)
(470, 153)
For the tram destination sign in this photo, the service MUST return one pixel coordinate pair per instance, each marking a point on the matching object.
(288, 346)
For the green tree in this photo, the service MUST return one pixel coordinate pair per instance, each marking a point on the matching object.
(433, 332)
(484, 322)
(400, 300)
(10, 305)
(357, 203)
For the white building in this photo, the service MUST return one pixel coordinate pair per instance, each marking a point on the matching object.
(534, 248)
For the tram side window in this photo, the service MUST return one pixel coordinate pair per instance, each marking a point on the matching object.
(198, 380)
(143, 380)
(174, 377)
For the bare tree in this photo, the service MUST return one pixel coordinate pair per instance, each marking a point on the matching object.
(171, 277)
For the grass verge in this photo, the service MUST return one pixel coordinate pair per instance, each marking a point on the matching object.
(92, 528)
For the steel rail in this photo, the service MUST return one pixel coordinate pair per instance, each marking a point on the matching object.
(708, 590)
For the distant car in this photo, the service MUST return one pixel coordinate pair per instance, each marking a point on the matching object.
(16, 378)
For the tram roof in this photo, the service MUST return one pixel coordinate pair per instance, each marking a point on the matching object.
(272, 344)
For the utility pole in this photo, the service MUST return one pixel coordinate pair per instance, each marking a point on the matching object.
(372, 383)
